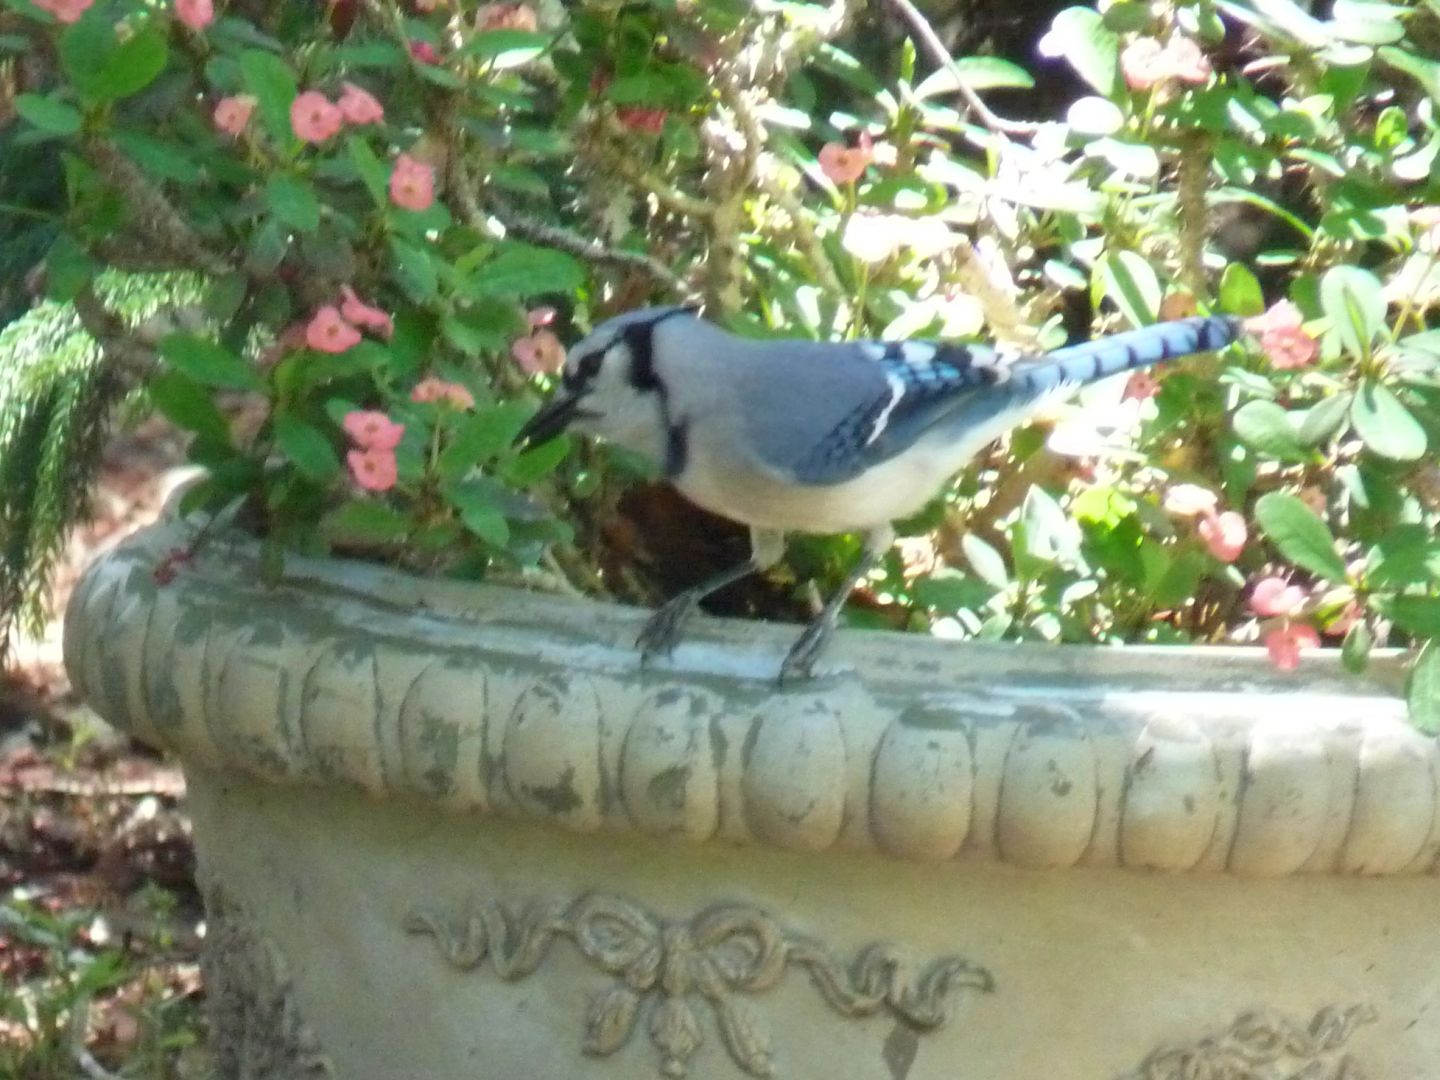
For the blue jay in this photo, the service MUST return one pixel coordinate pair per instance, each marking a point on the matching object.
(807, 436)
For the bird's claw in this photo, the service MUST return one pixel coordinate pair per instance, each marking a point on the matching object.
(661, 632)
(802, 655)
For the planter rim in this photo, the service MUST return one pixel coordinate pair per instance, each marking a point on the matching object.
(492, 699)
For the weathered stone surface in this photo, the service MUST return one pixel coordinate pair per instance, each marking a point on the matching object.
(470, 836)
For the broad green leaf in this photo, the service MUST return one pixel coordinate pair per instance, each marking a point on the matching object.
(188, 405)
(1408, 554)
(293, 201)
(1422, 694)
(1355, 304)
(1425, 72)
(1385, 425)
(480, 438)
(1091, 115)
(978, 73)
(48, 114)
(1129, 281)
(1299, 535)
(160, 157)
(1355, 649)
(1240, 292)
(307, 446)
(988, 564)
(480, 515)
(1080, 35)
(1418, 615)
(271, 81)
(1266, 427)
(368, 167)
(523, 270)
(506, 49)
(208, 363)
(103, 67)
(537, 462)
(1127, 157)
(365, 521)
(950, 590)
(1324, 418)
(415, 270)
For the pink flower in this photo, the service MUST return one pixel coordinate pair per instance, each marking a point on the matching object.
(371, 430)
(360, 313)
(642, 119)
(1146, 63)
(1187, 500)
(540, 353)
(412, 183)
(1282, 336)
(373, 469)
(329, 332)
(424, 52)
(1224, 534)
(65, 11)
(844, 164)
(1275, 596)
(540, 316)
(233, 113)
(1285, 640)
(314, 117)
(196, 14)
(1139, 386)
(506, 17)
(359, 106)
(432, 388)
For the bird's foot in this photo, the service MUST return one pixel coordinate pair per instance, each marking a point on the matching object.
(662, 632)
(803, 654)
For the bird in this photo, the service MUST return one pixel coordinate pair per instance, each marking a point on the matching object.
(819, 437)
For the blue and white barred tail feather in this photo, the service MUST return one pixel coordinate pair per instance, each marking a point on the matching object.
(1092, 360)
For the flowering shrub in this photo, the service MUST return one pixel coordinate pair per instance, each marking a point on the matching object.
(401, 213)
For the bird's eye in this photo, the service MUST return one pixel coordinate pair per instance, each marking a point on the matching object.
(590, 365)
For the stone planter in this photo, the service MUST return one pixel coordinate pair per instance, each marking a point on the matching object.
(452, 832)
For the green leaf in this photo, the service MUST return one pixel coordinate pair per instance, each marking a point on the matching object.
(1323, 418)
(1129, 281)
(978, 73)
(1080, 35)
(208, 363)
(1266, 427)
(369, 168)
(293, 201)
(506, 49)
(1355, 304)
(951, 590)
(988, 564)
(1385, 425)
(188, 405)
(1422, 694)
(307, 446)
(481, 438)
(537, 462)
(365, 521)
(480, 515)
(1299, 535)
(104, 68)
(1355, 649)
(1240, 292)
(523, 270)
(48, 114)
(270, 80)
(415, 270)
(1407, 554)
(1418, 615)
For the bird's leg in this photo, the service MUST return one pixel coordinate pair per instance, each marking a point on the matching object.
(662, 632)
(802, 656)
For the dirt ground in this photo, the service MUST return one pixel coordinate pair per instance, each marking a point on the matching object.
(100, 920)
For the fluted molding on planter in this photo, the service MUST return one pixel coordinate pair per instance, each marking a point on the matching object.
(492, 700)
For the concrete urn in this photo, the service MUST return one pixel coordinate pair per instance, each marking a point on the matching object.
(455, 832)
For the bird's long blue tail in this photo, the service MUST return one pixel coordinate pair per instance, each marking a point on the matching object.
(1096, 359)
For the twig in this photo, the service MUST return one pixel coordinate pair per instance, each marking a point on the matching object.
(587, 248)
(671, 198)
(941, 56)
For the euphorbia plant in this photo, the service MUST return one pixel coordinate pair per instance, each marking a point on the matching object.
(397, 214)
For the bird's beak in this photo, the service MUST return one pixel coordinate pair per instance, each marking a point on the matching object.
(552, 418)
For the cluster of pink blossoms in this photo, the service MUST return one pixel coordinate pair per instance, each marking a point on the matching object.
(1224, 534)
(372, 461)
(334, 329)
(539, 352)
(196, 14)
(1145, 62)
(315, 118)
